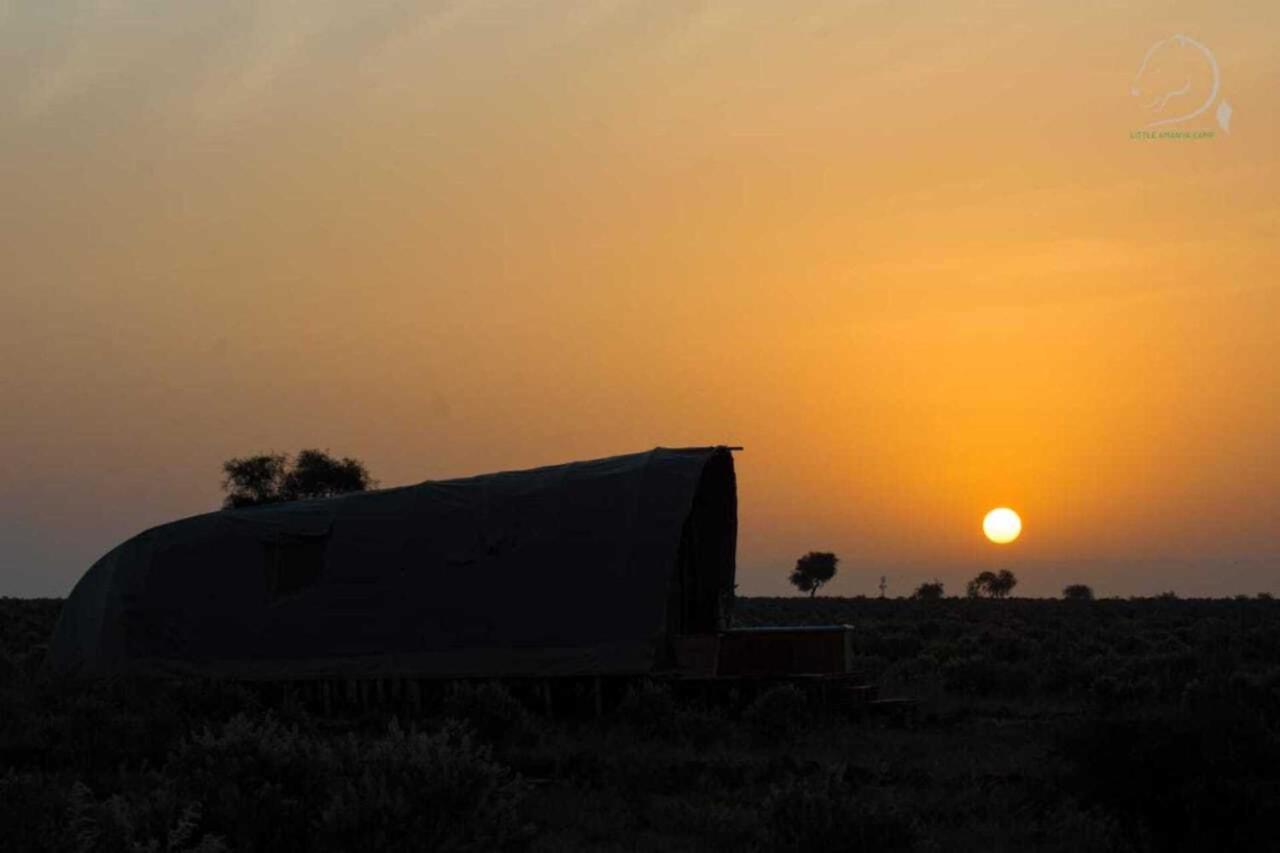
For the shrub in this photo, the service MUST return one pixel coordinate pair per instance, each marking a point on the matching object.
(778, 714)
(978, 675)
(32, 812)
(890, 645)
(1201, 778)
(1107, 692)
(410, 790)
(142, 823)
(700, 727)
(824, 813)
(267, 786)
(39, 812)
(649, 709)
(491, 710)
(260, 782)
(10, 669)
(1069, 827)
(728, 823)
(923, 673)
(94, 730)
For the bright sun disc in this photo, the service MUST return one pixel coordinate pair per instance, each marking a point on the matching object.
(1002, 525)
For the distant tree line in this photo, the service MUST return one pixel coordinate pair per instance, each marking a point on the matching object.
(819, 567)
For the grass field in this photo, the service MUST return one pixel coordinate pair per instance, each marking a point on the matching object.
(1042, 725)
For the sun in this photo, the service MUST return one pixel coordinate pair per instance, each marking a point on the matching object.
(1002, 525)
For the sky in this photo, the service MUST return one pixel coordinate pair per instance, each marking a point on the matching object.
(920, 259)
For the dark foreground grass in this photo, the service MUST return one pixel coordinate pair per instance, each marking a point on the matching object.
(1043, 725)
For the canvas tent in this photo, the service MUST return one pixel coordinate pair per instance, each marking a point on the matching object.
(585, 568)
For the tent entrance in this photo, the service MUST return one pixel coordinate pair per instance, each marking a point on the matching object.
(708, 544)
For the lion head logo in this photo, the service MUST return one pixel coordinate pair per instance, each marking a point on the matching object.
(1178, 81)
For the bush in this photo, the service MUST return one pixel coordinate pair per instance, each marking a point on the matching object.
(32, 812)
(720, 822)
(95, 730)
(41, 813)
(260, 782)
(823, 813)
(266, 786)
(649, 709)
(977, 675)
(1200, 778)
(778, 714)
(1068, 827)
(491, 710)
(148, 823)
(416, 791)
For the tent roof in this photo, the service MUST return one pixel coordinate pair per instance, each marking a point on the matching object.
(576, 568)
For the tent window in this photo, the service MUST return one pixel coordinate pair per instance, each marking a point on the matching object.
(294, 566)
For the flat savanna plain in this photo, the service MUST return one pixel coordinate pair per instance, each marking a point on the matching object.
(1140, 724)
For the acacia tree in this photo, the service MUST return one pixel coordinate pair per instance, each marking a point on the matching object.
(1005, 582)
(1077, 592)
(813, 570)
(253, 480)
(274, 478)
(980, 586)
(928, 591)
(992, 584)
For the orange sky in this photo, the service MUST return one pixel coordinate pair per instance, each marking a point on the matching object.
(908, 254)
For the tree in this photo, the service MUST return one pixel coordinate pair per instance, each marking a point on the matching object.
(316, 474)
(274, 478)
(1005, 582)
(981, 585)
(253, 480)
(1077, 592)
(928, 591)
(813, 570)
(992, 585)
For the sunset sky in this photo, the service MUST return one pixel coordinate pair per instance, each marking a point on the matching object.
(911, 255)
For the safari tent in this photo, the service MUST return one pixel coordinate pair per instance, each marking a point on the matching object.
(588, 568)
